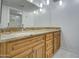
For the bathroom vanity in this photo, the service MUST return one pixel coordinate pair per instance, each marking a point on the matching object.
(42, 43)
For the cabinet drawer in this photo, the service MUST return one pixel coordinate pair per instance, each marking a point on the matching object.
(49, 36)
(41, 37)
(56, 34)
(49, 44)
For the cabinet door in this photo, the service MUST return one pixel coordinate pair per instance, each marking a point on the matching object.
(3, 53)
(39, 51)
(25, 54)
(55, 45)
(49, 45)
(49, 53)
(56, 41)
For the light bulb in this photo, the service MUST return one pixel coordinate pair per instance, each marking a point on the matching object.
(60, 3)
(30, 0)
(47, 2)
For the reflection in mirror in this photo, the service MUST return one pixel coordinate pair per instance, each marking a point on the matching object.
(12, 13)
(15, 19)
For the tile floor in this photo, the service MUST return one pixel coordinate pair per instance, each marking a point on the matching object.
(62, 53)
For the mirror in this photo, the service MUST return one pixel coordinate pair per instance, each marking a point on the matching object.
(12, 12)
(0, 10)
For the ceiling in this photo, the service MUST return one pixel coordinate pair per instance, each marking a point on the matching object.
(21, 4)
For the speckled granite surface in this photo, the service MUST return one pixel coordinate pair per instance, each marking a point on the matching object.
(26, 33)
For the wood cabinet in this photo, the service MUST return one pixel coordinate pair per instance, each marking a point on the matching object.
(39, 46)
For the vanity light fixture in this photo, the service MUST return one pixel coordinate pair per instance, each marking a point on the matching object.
(58, 2)
(48, 2)
(30, 0)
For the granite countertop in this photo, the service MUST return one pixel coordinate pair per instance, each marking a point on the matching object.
(21, 34)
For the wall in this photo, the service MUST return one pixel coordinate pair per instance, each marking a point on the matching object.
(38, 19)
(67, 17)
(43, 18)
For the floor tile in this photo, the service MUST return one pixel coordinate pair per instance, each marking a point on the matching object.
(62, 53)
